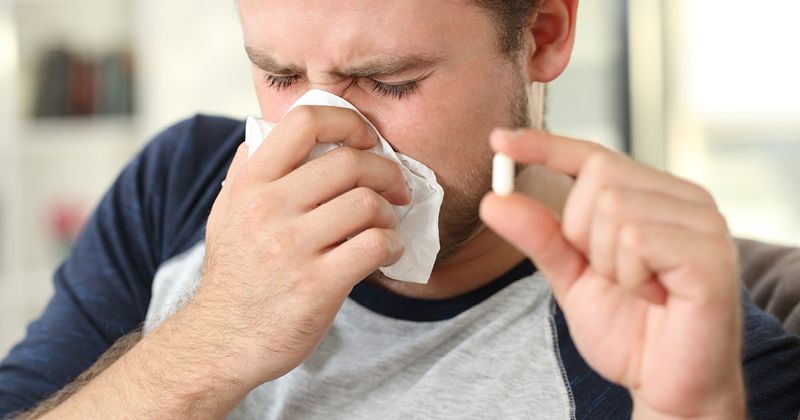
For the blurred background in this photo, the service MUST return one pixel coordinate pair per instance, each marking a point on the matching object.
(707, 90)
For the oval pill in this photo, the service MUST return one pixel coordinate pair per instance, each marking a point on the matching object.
(502, 174)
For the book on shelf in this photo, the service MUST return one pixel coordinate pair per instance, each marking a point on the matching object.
(72, 84)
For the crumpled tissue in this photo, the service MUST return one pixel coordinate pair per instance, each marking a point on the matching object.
(417, 223)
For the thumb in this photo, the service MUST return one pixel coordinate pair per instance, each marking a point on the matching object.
(238, 161)
(534, 230)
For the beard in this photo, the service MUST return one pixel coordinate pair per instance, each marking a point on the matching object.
(459, 217)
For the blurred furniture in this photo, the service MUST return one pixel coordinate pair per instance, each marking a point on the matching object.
(772, 275)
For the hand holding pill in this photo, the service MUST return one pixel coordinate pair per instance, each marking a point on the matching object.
(642, 265)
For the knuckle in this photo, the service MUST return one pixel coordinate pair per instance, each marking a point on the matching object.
(389, 214)
(574, 233)
(252, 209)
(238, 185)
(610, 203)
(345, 156)
(632, 237)
(701, 193)
(731, 252)
(574, 224)
(717, 223)
(303, 115)
(599, 163)
(279, 242)
(366, 130)
(259, 205)
(279, 191)
(376, 244)
(698, 267)
(242, 184)
(397, 172)
(368, 201)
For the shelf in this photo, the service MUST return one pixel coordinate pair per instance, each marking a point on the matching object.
(79, 123)
(74, 136)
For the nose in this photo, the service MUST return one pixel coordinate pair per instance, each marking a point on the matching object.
(339, 86)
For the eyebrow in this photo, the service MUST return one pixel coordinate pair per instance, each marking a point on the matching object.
(269, 64)
(379, 66)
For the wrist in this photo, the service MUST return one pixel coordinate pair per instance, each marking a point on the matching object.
(197, 356)
(168, 374)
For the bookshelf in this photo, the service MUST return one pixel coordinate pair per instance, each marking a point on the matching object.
(66, 138)
(184, 58)
(51, 162)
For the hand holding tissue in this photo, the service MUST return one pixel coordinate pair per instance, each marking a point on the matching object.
(417, 223)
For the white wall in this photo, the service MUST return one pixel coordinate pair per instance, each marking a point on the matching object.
(191, 60)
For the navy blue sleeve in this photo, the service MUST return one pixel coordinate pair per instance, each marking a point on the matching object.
(771, 361)
(102, 290)
(772, 366)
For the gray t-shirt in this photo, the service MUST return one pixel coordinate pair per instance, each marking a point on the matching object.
(495, 359)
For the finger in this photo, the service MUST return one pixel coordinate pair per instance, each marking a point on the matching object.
(293, 138)
(347, 215)
(561, 154)
(634, 275)
(611, 171)
(595, 168)
(534, 230)
(616, 207)
(343, 169)
(239, 159)
(577, 157)
(362, 254)
(686, 264)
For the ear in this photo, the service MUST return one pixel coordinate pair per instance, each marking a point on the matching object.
(549, 39)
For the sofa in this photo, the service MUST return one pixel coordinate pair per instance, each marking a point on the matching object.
(771, 273)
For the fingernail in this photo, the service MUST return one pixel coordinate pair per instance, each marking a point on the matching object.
(507, 133)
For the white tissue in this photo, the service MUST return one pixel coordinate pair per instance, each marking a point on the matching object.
(417, 223)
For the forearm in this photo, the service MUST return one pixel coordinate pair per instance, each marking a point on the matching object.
(169, 374)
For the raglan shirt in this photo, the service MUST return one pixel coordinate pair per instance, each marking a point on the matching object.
(502, 349)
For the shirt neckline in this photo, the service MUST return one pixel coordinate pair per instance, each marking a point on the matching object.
(390, 304)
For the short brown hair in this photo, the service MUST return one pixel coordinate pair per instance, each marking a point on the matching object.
(511, 17)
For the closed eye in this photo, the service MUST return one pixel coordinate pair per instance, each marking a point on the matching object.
(279, 82)
(397, 91)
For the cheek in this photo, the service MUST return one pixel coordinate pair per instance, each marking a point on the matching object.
(274, 106)
(447, 129)
(273, 103)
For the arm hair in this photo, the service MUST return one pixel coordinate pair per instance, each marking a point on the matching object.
(117, 350)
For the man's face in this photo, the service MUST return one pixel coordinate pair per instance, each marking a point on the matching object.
(429, 74)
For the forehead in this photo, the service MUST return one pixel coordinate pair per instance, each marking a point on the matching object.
(343, 30)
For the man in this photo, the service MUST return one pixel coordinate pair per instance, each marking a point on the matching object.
(282, 326)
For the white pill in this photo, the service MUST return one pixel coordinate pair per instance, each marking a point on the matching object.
(502, 174)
